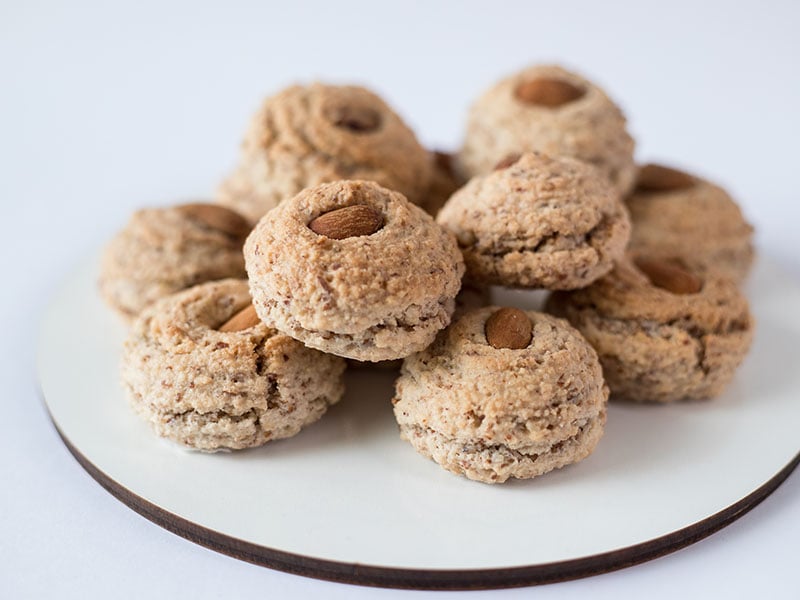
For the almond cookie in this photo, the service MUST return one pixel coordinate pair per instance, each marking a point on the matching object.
(206, 373)
(164, 250)
(662, 332)
(307, 135)
(538, 222)
(503, 393)
(354, 269)
(549, 109)
(675, 214)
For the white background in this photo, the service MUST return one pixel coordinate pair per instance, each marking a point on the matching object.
(106, 109)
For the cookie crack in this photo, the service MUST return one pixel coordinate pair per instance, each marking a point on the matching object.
(273, 392)
(548, 244)
(519, 455)
(697, 335)
(260, 362)
(211, 416)
(395, 322)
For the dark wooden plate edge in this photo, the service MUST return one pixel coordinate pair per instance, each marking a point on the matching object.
(423, 579)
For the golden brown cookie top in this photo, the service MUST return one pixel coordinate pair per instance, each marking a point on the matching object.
(672, 207)
(465, 388)
(208, 375)
(164, 250)
(535, 201)
(662, 292)
(348, 123)
(192, 321)
(310, 134)
(549, 109)
(184, 330)
(347, 285)
(538, 221)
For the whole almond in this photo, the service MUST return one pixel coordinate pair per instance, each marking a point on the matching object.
(550, 93)
(669, 276)
(657, 178)
(244, 319)
(350, 221)
(218, 217)
(509, 328)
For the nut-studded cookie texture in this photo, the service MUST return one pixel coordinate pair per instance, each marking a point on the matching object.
(164, 250)
(380, 292)
(676, 214)
(551, 110)
(663, 333)
(205, 373)
(307, 135)
(538, 222)
(503, 393)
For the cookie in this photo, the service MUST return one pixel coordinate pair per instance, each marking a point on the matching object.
(164, 250)
(662, 332)
(678, 215)
(354, 269)
(551, 110)
(206, 381)
(538, 222)
(503, 393)
(444, 182)
(307, 135)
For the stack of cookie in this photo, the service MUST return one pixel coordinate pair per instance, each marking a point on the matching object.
(338, 236)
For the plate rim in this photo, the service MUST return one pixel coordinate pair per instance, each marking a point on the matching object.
(425, 579)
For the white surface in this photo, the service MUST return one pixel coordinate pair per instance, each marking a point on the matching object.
(104, 109)
(342, 489)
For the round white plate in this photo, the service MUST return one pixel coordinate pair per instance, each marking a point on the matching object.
(347, 500)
